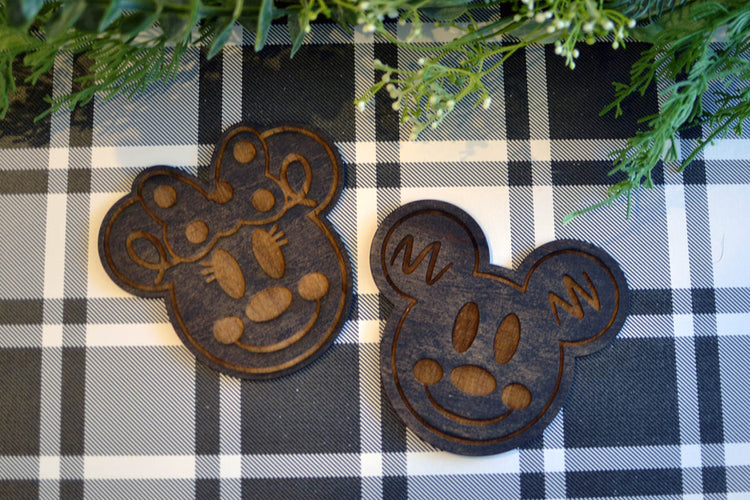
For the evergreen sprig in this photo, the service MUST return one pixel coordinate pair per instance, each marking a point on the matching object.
(685, 52)
(701, 46)
(130, 43)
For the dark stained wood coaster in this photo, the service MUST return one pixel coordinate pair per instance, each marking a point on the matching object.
(475, 358)
(257, 283)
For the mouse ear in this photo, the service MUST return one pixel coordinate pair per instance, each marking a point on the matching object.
(582, 293)
(423, 247)
(131, 249)
(307, 168)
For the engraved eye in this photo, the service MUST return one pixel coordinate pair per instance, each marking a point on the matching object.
(267, 251)
(226, 271)
(507, 338)
(465, 327)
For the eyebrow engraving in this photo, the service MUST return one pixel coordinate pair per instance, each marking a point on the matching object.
(409, 266)
(574, 308)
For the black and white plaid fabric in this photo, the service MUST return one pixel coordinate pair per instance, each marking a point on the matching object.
(99, 399)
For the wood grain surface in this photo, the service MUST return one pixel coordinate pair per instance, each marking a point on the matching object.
(477, 359)
(257, 284)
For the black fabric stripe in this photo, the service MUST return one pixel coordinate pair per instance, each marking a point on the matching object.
(209, 104)
(207, 390)
(21, 312)
(23, 181)
(73, 395)
(709, 389)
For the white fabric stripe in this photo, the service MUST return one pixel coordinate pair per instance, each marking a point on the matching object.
(544, 213)
(536, 82)
(114, 179)
(729, 325)
(585, 149)
(674, 198)
(130, 335)
(144, 156)
(371, 488)
(458, 174)
(54, 257)
(737, 454)
(465, 486)
(55, 284)
(369, 331)
(363, 79)
(366, 226)
(727, 149)
(139, 467)
(128, 489)
(369, 401)
(679, 263)
(61, 84)
(230, 416)
(231, 488)
(447, 151)
(22, 280)
(443, 463)
(301, 465)
(231, 85)
(699, 240)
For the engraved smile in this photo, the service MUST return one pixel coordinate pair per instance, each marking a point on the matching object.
(472, 380)
(269, 304)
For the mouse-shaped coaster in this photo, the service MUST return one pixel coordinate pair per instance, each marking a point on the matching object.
(475, 358)
(257, 283)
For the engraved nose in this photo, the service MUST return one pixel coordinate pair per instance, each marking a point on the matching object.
(268, 304)
(473, 380)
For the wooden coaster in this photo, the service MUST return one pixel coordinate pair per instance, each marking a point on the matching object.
(475, 358)
(257, 283)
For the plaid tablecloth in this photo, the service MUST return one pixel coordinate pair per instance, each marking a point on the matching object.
(99, 399)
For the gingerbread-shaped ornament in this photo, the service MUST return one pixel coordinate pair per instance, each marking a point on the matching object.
(475, 358)
(256, 282)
